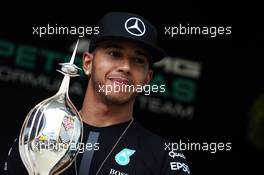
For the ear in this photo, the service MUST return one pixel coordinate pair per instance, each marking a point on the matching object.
(87, 60)
(148, 77)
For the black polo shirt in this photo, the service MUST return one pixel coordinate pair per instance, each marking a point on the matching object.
(139, 152)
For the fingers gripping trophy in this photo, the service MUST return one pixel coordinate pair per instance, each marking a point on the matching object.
(52, 130)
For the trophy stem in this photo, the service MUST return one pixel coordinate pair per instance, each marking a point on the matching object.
(64, 87)
(68, 70)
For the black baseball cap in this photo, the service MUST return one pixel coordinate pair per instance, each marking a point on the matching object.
(128, 26)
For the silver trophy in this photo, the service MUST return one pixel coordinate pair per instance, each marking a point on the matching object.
(51, 133)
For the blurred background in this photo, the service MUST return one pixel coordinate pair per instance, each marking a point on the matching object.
(214, 85)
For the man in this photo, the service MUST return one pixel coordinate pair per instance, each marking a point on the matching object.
(120, 58)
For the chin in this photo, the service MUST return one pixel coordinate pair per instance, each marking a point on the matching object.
(119, 98)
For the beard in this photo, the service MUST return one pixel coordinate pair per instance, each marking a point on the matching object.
(112, 98)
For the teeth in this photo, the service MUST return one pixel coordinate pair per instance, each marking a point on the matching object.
(122, 81)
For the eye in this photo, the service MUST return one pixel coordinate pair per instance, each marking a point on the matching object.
(140, 60)
(115, 53)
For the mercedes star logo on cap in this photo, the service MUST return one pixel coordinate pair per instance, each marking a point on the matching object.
(135, 26)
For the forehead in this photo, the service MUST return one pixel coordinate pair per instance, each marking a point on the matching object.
(123, 45)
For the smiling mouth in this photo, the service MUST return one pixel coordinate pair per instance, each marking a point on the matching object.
(119, 80)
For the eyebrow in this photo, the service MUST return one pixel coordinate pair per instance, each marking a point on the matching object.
(142, 53)
(118, 46)
(112, 45)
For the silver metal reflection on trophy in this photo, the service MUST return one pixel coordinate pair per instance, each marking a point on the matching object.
(51, 133)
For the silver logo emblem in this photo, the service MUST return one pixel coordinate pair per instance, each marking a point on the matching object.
(135, 26)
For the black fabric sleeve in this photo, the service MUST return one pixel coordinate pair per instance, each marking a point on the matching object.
(14, 164)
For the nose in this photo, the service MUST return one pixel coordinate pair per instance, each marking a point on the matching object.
(125, 66)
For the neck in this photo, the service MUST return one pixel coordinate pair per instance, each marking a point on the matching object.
(97, 113)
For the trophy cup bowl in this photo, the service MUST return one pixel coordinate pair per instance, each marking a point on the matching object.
(51, 133)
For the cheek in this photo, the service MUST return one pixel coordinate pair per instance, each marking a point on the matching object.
(140, 77)
(101, 67)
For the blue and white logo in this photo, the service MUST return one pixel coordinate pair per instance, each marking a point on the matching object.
(122, 158)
